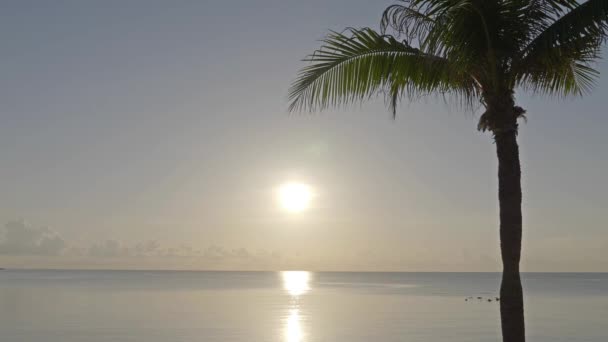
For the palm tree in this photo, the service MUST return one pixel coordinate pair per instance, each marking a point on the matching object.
(468, 51)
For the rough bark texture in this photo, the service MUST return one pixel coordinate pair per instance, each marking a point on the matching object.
(509, 197)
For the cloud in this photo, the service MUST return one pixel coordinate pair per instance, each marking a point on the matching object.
(23, 240)
(18, 238)
(149, 249)
(115, 248)
(108, 248)
(22, 243)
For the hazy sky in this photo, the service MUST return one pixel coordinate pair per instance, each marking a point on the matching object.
(153, 134)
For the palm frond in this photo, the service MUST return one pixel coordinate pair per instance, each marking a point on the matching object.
(362, 63)
(558, 59)
(589, 18)
(564, 70)
(556, 7)
(407, 20)
(439, 27)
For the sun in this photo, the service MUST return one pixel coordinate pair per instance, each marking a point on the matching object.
(295, 197)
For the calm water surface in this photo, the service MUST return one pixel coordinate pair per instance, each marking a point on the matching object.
(155, 306)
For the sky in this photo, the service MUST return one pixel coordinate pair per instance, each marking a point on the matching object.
(154, 134)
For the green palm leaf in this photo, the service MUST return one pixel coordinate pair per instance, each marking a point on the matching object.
(351, 68)
(558, 59)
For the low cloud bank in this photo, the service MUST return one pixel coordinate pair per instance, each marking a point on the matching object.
(20, 238)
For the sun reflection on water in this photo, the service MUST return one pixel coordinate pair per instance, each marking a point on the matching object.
(293, 327)
(295, 283)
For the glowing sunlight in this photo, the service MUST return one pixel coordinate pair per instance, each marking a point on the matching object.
(293, 328)
(295, 197)
(296, 283)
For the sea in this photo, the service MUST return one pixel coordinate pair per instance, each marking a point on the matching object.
(291, 306)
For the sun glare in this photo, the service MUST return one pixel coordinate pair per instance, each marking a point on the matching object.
(293, 328)
(296, 283)
(295, 197)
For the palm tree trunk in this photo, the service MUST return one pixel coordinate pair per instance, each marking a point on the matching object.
(509, 198)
